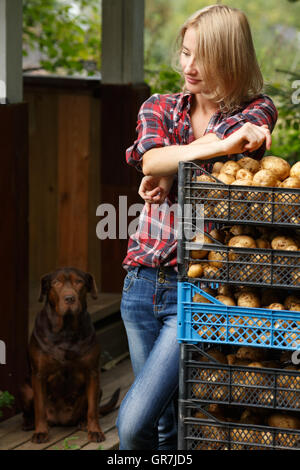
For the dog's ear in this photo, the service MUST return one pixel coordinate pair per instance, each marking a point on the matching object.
(45, 286)
(91, 285)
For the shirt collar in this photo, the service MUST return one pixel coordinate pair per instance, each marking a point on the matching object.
(183, 104)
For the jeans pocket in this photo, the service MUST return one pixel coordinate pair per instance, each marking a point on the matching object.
(128, 281)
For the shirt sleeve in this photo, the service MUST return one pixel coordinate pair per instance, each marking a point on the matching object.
(260, 111)
(151, 131)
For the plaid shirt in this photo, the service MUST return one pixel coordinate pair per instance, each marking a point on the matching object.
(165, 120)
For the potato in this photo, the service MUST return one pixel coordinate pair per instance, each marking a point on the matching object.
(278, 166)
(217, 259)
(295, 170)
(295, 308)
(282, 420)
(220, 210)
(226, 300)
(276, 306)
(241, 182)
(231, 359)
(291, 182)
(244, 174)
(195, 270)
(249, 164)
(200, 298)
(204, 179)
(214, 410)
(291, 301)
(263, 244)
(225, 289)
(199, 391)
(205, 240)
(226, 179)
(248, 417)
(202, 318)
(207, 332)
(284, 243)
(217, 167)
(230, 168)
(242, 241)
(249, 353)
(265, 178)
(293, 338)
(249, 300)
(237, 230)
(233, 330)
(211, 272)
(217, 235)
(215, 354)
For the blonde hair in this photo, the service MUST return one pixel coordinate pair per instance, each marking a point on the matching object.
(227, 56)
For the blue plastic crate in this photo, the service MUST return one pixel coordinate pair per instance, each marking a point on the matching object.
(214, 322)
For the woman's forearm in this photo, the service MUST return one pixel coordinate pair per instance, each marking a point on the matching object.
(164, 161)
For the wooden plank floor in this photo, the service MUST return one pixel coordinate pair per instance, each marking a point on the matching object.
(63, 438)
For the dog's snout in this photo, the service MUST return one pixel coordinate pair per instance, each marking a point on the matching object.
(69, 299)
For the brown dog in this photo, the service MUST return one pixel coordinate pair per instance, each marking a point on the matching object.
(64, 359)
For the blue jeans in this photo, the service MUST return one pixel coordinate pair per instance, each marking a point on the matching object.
(147, 416)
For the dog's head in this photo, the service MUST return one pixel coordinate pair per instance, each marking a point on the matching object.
(66, 290)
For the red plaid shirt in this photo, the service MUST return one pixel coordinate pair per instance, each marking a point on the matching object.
(165, 120)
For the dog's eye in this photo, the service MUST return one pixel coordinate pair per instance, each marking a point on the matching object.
(56, 282)
(78, 281)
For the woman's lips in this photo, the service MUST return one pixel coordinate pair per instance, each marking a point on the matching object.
(192, 81)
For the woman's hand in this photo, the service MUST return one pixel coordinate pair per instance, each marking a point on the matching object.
(154, 189)
(248, 138)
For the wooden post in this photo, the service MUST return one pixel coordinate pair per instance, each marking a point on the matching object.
(122, 41)
(11, 79)
(123, 92)
(14, 201)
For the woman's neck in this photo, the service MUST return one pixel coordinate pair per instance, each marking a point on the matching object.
(203, 105)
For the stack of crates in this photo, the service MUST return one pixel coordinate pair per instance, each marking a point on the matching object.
(206, 384)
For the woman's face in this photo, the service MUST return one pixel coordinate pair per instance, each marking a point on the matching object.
(191, 70)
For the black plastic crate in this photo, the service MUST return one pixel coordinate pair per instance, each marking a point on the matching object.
(237, 204)
(212, 382)
(242, 266)
(211, 434)
(200, 428)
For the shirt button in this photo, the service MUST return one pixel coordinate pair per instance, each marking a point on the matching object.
(161, 280)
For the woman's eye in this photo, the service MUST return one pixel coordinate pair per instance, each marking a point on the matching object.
(185, 53)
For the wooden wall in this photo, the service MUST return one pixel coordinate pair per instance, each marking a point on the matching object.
(78, 133)
(14, 245)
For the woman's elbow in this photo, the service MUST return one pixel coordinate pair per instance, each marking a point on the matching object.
(146, 164)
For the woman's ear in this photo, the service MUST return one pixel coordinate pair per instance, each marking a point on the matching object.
(91, 285)
(45, 286)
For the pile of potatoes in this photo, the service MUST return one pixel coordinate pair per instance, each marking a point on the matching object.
(258, 206)
(269, 172)
(244, 296)
(259, 329)
(209, 264)
(216, 437)
(248, 387)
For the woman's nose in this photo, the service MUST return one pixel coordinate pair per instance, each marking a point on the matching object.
(190, 66)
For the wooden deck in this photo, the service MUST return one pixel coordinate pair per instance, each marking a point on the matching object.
(120, 375)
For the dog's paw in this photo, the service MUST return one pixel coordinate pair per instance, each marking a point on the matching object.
(96, 436)
(40, 437)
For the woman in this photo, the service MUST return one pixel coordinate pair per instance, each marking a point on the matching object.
(220, 112)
